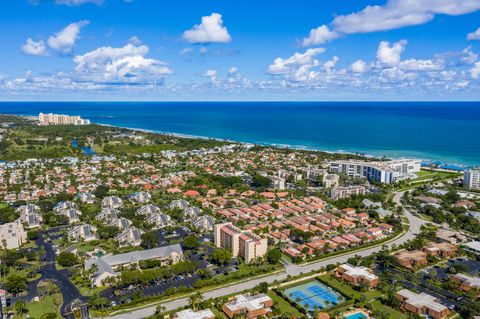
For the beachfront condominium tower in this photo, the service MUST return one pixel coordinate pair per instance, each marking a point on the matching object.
(377, 171)
(240, 243)
(471, 178)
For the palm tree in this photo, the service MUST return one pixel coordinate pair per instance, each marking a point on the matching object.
(194, 300)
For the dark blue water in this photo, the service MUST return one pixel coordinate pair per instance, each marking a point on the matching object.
(443, 131)
(86, 150)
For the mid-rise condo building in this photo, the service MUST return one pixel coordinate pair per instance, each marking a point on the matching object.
(471, 178)
(240, 243)
(384, 172)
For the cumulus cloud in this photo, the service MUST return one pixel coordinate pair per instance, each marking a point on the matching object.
(211, 74)
(358, 66)
(76, 3)
(320, 35)
(298, 67)
(211, 30)
(390, 55)
(394, 14)
(64, 40)
(123, 65)
(475, 71)
(468, 56)
(134, 40)
(34, 47)
(475, 35)
(330, 64)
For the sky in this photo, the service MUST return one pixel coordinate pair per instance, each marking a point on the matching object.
(320, 50)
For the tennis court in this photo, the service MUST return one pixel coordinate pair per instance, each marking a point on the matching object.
(314, 295)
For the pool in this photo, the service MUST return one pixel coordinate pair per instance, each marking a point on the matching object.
(314, 295)
(357, 315)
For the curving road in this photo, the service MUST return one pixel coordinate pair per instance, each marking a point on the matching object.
(290, 269)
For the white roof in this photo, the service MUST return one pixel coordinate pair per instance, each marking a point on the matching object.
(475, 245)
(471, 280)
(248, 302)
(358, 272)
(421, 300)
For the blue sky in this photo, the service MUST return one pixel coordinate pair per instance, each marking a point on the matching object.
(239, 50)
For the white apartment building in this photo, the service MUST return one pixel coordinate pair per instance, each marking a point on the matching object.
(385, 172)
(240, 243)
(60, 119)
(471, 178)
(347, 191)
(330, 180)
(12, 235)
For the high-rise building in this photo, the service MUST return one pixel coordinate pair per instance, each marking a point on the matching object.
(471, 178)
(240, 243)
(60, 119)
(385, 172)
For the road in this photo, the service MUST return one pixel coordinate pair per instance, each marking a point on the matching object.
(290, 269)
(49, 270)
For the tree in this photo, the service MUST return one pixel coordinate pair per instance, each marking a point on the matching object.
(261, 288)
(194, 300)
(32, 234)
(67, 259)
(20, 308)
(191, 242)
(101, 191)
(274, 256)
(15, 283)
(149, 240)
(221, 256)
(107, 232)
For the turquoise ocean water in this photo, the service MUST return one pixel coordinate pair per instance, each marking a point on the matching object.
(439, 131)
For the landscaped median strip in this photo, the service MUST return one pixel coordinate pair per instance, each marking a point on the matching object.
(207, 289)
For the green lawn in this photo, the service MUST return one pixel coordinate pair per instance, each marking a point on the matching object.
(346, 289)
(49, 304)
(392, 313)
(282, 305)
(217, 313)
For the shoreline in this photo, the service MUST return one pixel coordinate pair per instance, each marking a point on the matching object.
(424, 160)
(284, 146)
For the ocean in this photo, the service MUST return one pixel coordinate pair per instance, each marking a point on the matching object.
(448, 132)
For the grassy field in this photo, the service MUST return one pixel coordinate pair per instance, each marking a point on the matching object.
(392, 313)
(283, 305)
(49, 304)
(346, 289)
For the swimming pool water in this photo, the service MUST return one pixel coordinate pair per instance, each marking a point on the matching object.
(357, 315)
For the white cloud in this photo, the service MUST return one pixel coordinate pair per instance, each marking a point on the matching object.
(203, 50)
(211, 74)
(64, 40)
(358, 66)
(421, 65)
(298, 66)
(125, 65)
(394, 14)
(34, 47)
(319, 36)
(475, 35)
(134, 40)
(186, 51)
(475, 71)
(330, 64)
(390, 55)
(75, 3)
(211, 30)
(468, 56)
(400, 13)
